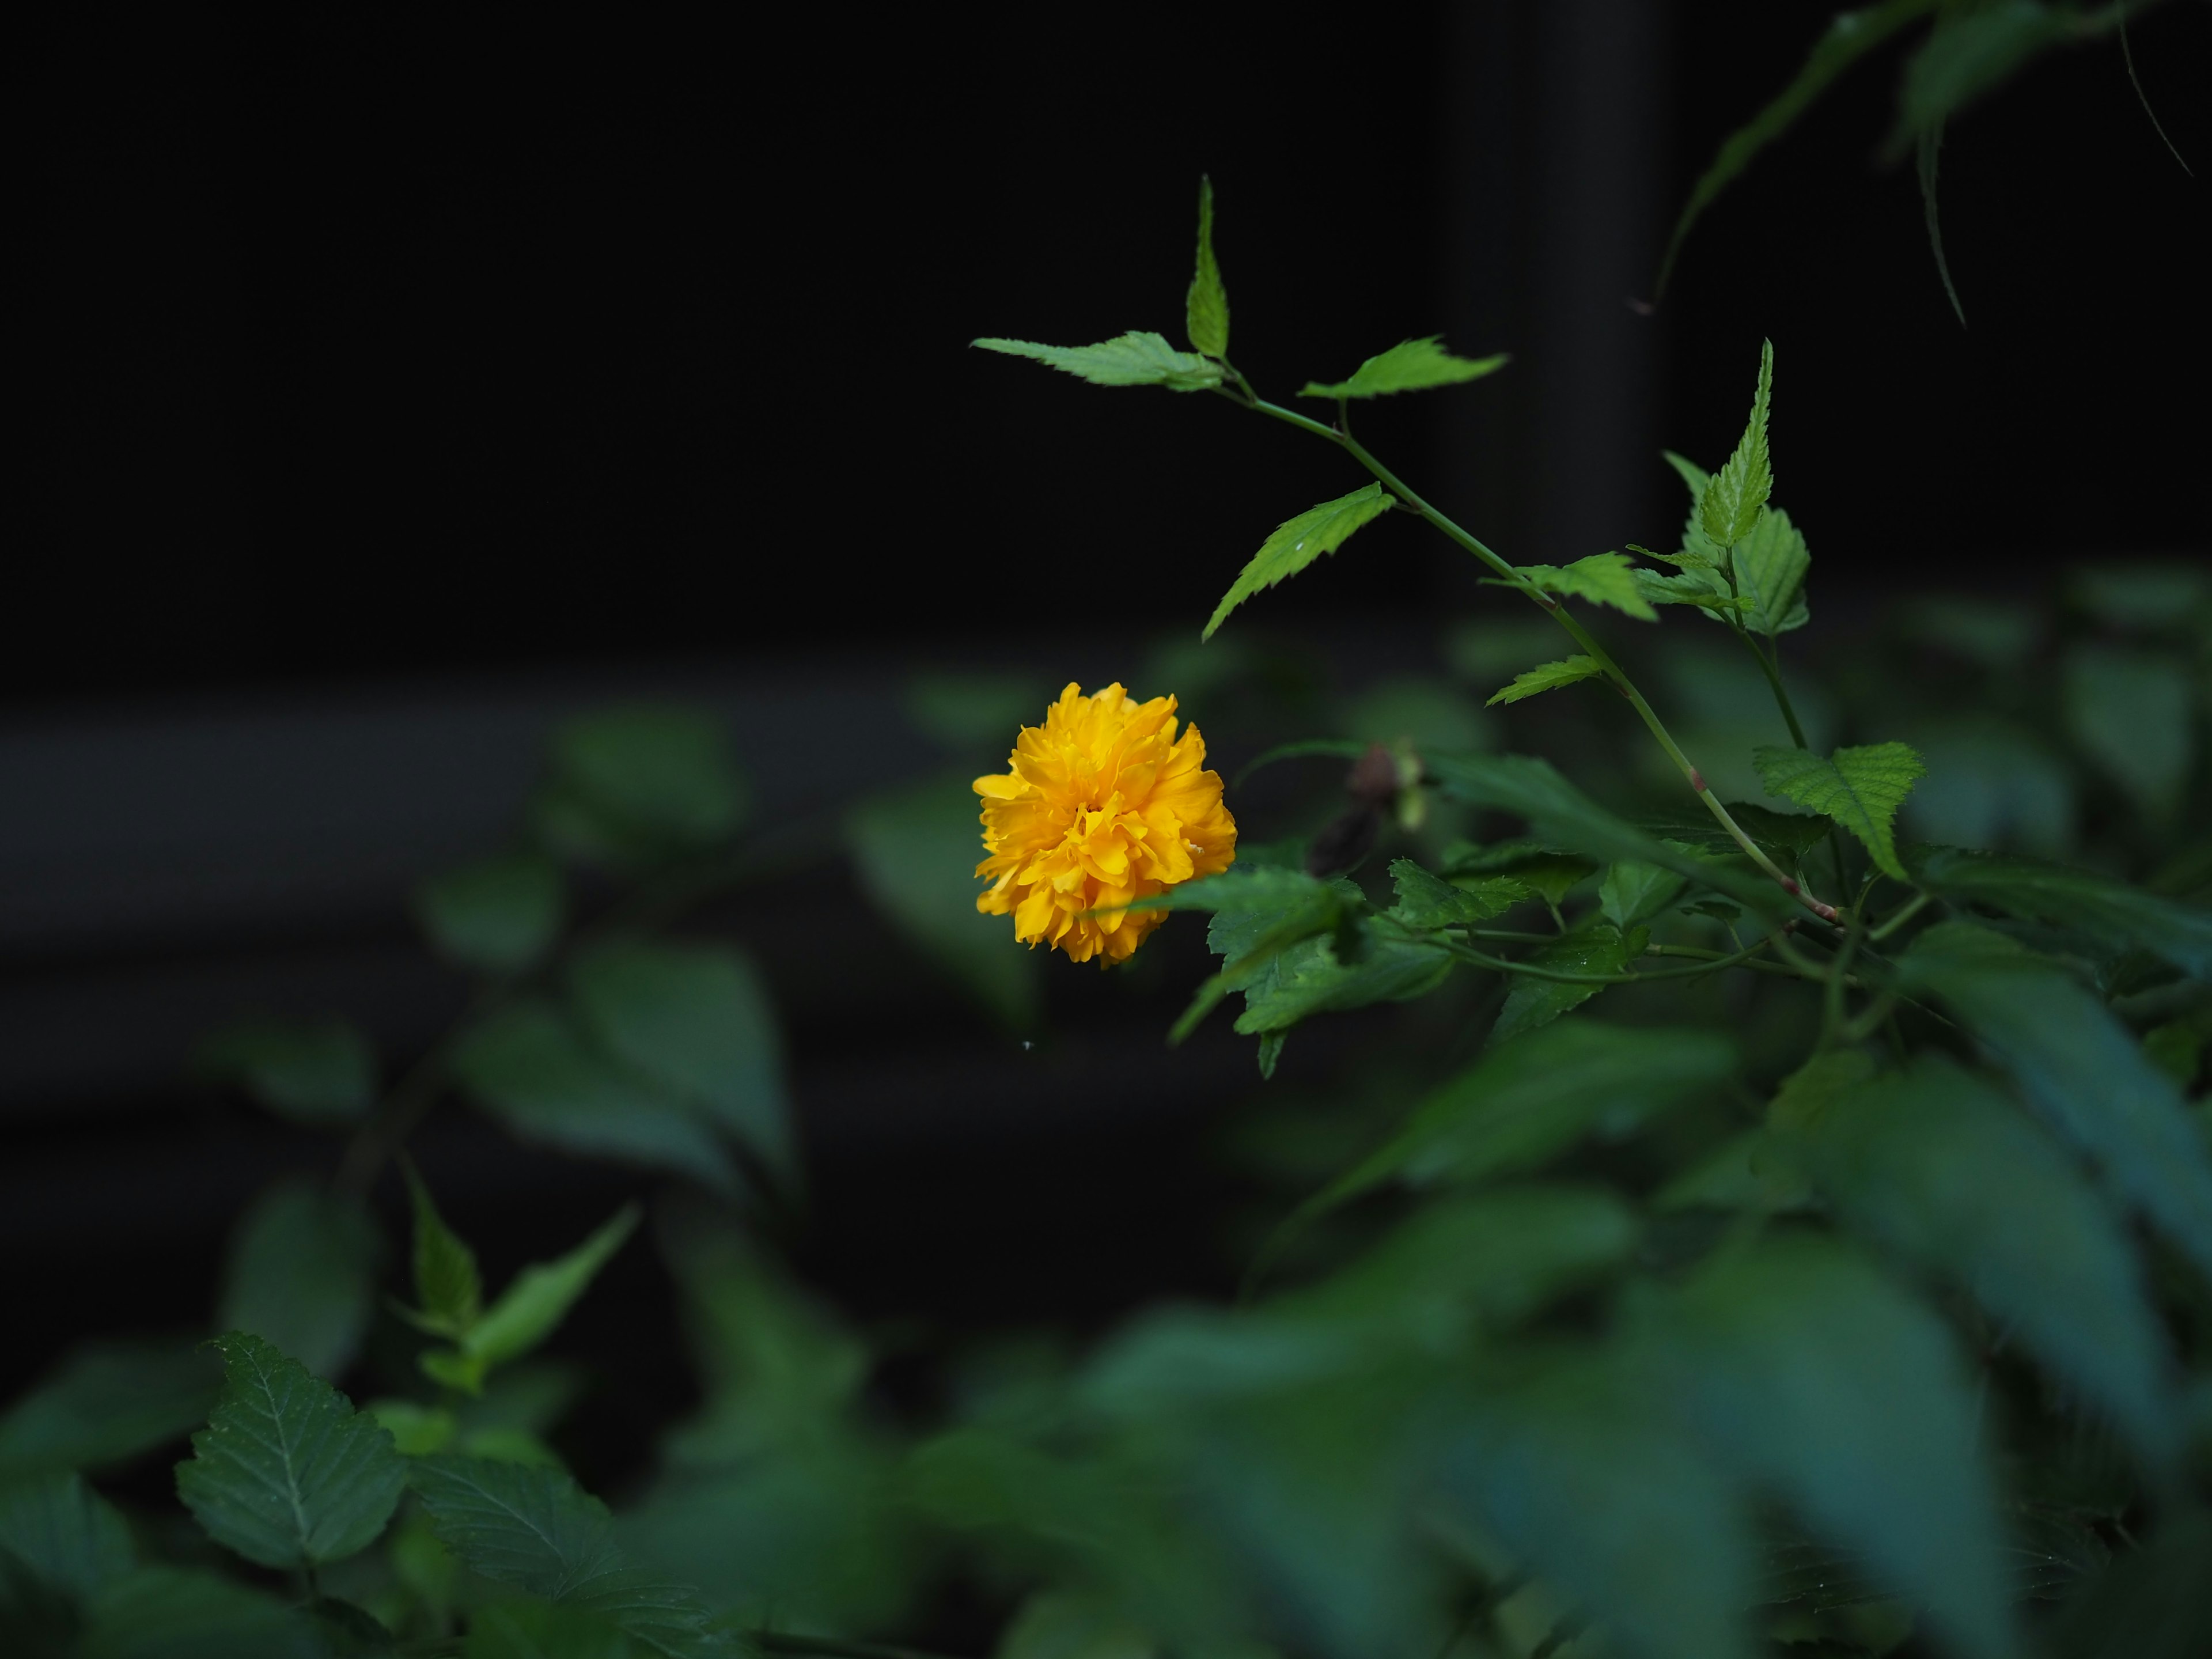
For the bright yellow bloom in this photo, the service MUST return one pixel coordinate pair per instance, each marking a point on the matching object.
(1101, 805)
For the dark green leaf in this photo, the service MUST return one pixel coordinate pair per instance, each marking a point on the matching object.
(105, 1405)
(1566, 1463)
(1547, 677)
(348, 1631)
(1525, 1103)
(1806, 1370)
(302, 1274)
(448, 1289)
(531, 1068)
(1409, 366)
(1972, 50)
(1297, 543)
(1634, 892)
(1427, 900)
(287, 1473)
(1849, 36)
(1206, 311)
(1940, 1166)
(641, 783)
(317, 1074)
(1729, 509)
(543, 1630)
(499, 916)
(1860, 788)
(416, 1430)
(66, 1532)
(531, 1308)
(2109, 911)
(1056, 1626)
(1562, 814)
(1309, 979)
(1132, 359)
(697, 1021)
(2132, 714)
(916, 854)
(1599, 949)
(2080, 1068)
(1548, 872)
(1260, 914)
(1785, 837)
(168, 1612)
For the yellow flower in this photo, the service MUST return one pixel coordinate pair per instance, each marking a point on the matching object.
(1101, 805)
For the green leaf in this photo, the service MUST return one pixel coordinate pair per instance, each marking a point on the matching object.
(1860, 788)
(302, 1274)
(1705, 589)
(1427, 901)
(1942, 1168)
(1600, 948)
(1728, 510)
(1054, 1625)
(1409, 366)
(1602, 579)
(1928, 148)
(1634, 892)
(543, 1630)
(106, 1404)
(1205, 312)
(2079, 1068)
(531, 1308)
(1971, 52)
(499, 916)
(2109, 911)
(697, 1021)
(1546, 677)
(1808, 1370)
(534, 1527)
(1770, 567)
(65, 1533)
(323, 1075)
(640, 784)
(1309, 979)
(1785, 837)
(1547, 872)
(530, 1067)
(1563, 1460)
(1849, 36)
(1562, 814)
(2132, 714)
(448, 1288)
(1525, 1103)
(1297, 543)
(916, 851)
(415, 1429)
(1261, 914)
(1132, 359)
(287, 1474)
(169, 1613)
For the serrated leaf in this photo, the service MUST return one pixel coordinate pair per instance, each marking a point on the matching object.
(1806, 1370)
(1634, 892)
(1783, 836)
(1409, 366)
(1701, 585)
(533, 1307)
(2080, 1068)
(1309, 979)
(1206, 311)
(1860, 788)
(534, 1527)
(1526, 1102)
(287, 1474)
(1770, 565)
(697, 1021)
(1133, 359)
(1427, 901)
(302, 1274)
(531, 1068)
(1940, 1166)
(322, 1074)
(1564, 1460)
(448, 1288)
(1602, 579)
(497, 916)
(1260, 914)
(1297, 543)
(66, 1532)
(106, 1404)
(1549, 872)
(2111, 911)
(1848, 37)
(1546, 677)
(1728, 510)
(1598, 949)
(640, 784)
(1562, 814)
(170, 1613)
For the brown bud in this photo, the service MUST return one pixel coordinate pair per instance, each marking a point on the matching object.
(1373, 781)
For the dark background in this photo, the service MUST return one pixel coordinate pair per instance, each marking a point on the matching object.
(388, 386)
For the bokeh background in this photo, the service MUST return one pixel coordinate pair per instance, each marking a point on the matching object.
(391, 387)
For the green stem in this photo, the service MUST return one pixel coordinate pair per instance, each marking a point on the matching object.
(1920, 901)
(1769, 659)
(1832, 995)
(1482, 959)
(1559, 613)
